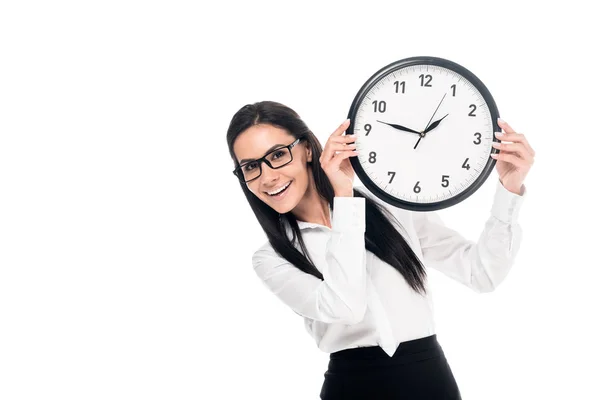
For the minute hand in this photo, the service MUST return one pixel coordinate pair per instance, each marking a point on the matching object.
(435, 124)
(400, 127)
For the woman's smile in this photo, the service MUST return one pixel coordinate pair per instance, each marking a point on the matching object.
(281, 193)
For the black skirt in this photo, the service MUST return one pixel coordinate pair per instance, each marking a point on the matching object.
(418, 370)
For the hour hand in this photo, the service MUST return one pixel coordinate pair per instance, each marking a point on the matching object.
(435, 124)
(400, 127)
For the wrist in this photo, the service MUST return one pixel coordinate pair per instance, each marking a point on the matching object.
(516, 191)
(512, 189)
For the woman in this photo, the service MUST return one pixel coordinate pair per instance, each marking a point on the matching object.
(335, 254)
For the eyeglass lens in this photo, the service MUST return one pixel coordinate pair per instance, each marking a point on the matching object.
(277, 158)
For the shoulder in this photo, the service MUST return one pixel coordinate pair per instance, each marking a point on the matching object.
(264, 260)
(266, 255)
(265, 250)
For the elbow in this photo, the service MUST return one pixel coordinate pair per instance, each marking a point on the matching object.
(351, 314)
(357, 314)
(484, 289)
(341, 312)
(483, 284)
(487, 286)
(356, 306)
(490, 275)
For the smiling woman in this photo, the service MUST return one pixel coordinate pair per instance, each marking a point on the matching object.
(277, 156)
(360, 286)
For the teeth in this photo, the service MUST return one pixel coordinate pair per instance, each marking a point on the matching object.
(280, 189)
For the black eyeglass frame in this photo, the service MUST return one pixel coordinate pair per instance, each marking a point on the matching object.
(238, 171)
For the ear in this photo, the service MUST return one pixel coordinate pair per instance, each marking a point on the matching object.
(308, 153)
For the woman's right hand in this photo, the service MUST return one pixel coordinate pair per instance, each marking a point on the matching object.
(337, 167)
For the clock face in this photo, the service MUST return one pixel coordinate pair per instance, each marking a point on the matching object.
(424, 128)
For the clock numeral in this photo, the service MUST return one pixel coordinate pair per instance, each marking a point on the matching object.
(398, 84)
(478, 138)
(372, 156)
(423, 77)
(368, 129)
(472, 113)
(417, 189)
(379, 106)
(453, 90)
(465, 165)
(445, 181)
(393, 174)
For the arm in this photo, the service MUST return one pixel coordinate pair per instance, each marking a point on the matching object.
(342, 296)
(482, 266)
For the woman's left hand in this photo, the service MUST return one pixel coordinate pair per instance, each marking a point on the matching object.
(514, 160)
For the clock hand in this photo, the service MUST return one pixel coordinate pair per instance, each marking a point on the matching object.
(417, 143)
(435, 124)
(426, 128)
(400, 127)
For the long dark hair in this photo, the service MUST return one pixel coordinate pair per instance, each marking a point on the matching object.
(381, 237)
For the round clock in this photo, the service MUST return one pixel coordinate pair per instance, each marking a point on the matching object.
(424, 129)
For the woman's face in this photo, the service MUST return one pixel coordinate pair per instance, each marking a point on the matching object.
(260, 139)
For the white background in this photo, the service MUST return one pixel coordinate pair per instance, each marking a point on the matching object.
(126, 242)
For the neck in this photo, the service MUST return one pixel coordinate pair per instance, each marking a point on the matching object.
(312, 208)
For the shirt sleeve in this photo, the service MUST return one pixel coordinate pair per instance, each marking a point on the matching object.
(342, 296)
(480, 265)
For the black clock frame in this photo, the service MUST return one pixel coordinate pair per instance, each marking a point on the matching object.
(435, 61)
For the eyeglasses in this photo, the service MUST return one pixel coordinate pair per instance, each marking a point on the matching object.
(276, 158)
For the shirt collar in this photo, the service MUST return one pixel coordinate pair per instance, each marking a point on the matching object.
(303, 225)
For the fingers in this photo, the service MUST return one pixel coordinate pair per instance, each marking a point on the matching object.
(519, 152)
(339, 157)
(336, 142)
(343, 139)
(341, 128)
(517, 138)
(504, 125)
(330, 152)
(512, 136)
(513, 159)
(342, 147)
(515, 148)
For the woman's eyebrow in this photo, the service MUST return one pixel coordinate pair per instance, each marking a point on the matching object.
(267, 152)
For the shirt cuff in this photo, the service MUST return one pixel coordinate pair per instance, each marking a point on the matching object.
(507, 204)
(348, 214)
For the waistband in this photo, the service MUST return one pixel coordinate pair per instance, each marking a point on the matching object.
(428, 344)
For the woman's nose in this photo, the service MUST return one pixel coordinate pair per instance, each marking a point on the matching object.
(269, 174)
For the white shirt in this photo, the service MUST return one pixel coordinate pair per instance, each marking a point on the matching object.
(364, 301)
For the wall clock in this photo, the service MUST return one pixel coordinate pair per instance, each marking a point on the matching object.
(424, 129)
